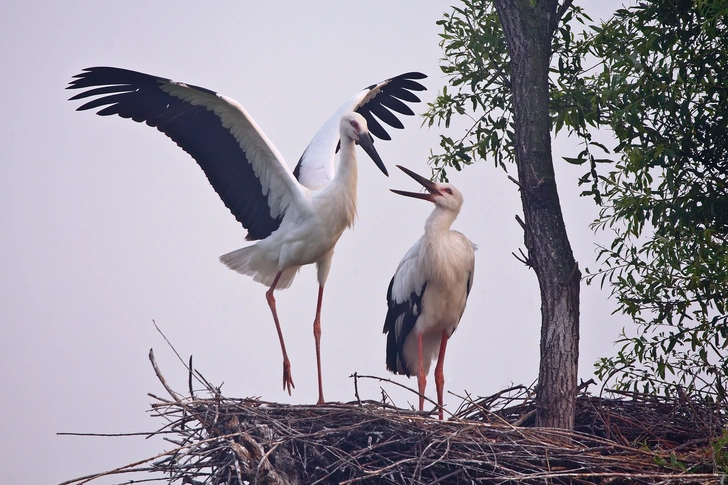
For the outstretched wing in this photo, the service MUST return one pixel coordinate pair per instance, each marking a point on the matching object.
(404, 301)
(382, 101)
(242, 165)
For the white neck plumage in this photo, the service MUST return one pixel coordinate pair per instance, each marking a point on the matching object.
(341, 191)
(440, 221)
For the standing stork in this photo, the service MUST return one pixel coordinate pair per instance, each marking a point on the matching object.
(428, 292)
(296, 217)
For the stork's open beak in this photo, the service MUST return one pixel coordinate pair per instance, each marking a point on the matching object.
(367, 143)
(431, 187)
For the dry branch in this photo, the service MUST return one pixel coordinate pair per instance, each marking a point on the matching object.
(640, 439)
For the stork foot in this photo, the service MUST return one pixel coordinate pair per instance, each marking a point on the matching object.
(287, 379)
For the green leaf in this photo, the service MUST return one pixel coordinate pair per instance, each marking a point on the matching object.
(574, 161)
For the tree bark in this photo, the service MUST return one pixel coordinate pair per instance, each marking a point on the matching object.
(529, 27)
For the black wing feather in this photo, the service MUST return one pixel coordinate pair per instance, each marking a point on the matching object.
(391, 95)
(375, 128)
(412, 85)
(402, 94)
(395, 90)
(196, 130)
(381, 112)
(398, 324)
(396, 105)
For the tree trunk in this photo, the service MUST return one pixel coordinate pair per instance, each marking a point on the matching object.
(528, 28)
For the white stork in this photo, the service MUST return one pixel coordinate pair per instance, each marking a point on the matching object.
(428, 292)
(297, 217)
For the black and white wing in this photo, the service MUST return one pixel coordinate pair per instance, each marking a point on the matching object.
(242, 165)
(404, 300)
(381, 101)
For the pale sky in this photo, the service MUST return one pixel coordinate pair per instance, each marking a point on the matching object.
(108, 225)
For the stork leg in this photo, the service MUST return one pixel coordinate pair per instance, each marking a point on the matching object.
(287, 380)
(421, 378)
(439, 376)
(317, 337)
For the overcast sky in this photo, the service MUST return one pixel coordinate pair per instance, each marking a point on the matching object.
(108, 225)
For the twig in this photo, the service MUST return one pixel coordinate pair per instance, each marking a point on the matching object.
(523, 259)
(520, 222)
(384, 379)
(356, 387)
(449, 475)
(189, 379)
(107, 434)
(481, 408)
(189, 368)
(525, 417)
(520, 185)
(130, 468)
(161, 378)
(237, 441)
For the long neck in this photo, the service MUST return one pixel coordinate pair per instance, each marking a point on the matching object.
(438, 253)
(347, 172)
(439, 221)
(342, 189)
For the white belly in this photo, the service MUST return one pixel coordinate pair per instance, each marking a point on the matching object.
(301, 243)
(443, 302)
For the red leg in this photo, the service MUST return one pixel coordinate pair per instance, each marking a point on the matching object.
(287, 380)
(421, 378)
(439, 376)
(317, 337)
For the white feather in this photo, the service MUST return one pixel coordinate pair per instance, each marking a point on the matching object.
(278, 183)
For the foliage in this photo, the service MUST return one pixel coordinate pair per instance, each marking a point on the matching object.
(656, 75)
(719, 448)
(664, 94)
(477, 64)
(478, 67)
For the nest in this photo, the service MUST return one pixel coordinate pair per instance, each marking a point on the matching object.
(635, 438)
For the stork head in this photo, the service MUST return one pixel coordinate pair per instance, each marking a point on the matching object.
(354, 126)
(442, 195)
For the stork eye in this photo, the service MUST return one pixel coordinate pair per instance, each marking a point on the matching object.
(449, 191)
(354, 125)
